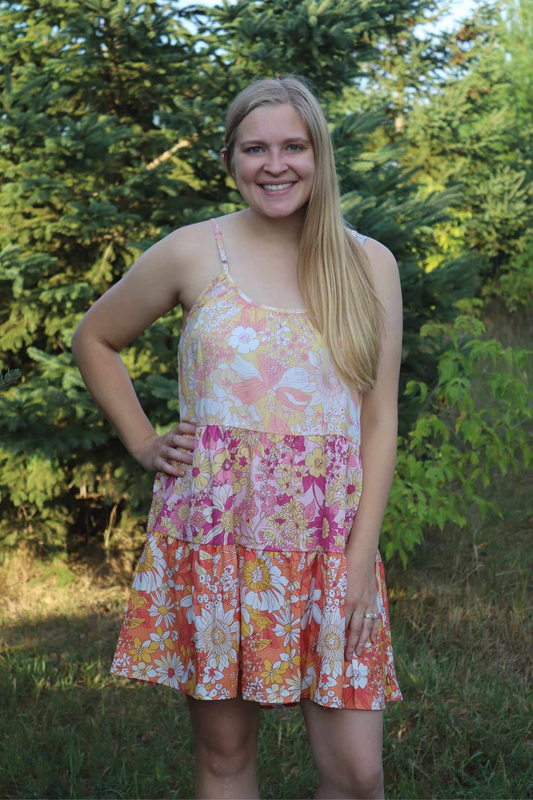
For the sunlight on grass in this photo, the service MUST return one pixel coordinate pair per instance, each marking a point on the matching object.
(462, 636)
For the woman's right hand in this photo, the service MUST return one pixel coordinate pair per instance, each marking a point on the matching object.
(158, 449)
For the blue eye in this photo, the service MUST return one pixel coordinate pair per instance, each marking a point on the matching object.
(255, 146)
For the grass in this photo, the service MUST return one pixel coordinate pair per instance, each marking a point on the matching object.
(460, 618)
(462, 635)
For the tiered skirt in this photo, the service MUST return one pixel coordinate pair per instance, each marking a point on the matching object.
(220, 608)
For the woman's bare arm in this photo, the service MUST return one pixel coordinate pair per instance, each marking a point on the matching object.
(150, 288)
(379, 413)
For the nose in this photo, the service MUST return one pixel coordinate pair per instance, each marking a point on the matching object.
(276, 162)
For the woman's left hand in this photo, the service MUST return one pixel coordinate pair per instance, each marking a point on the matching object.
(361, 598)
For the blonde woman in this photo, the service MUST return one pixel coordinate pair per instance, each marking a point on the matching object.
(261, 584)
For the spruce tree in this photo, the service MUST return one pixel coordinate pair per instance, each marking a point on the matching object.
(113, 116)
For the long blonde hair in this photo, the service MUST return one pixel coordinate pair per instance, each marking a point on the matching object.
(334, 273)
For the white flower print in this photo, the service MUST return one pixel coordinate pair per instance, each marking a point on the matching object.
(263, 584)
(331, 640)
(294, 686)
(357, 672)
(329, 393)
(186, 602)
(217, 635)
(162, 609)
(245, 369)
(276, 692)
(150, 569)
(287, 626)
(160, 637)
(243, 339)
(143, 672)
(282, 332)
(312, 608)
(170, 669)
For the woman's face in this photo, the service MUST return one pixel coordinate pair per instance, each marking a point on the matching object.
(273, 147)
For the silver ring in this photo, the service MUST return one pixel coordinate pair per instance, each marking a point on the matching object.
(371, 616)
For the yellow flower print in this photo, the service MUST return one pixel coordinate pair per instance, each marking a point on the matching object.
(201, 471)
(143, 651)
(333, 496)
(182, 510)
(290, 658)
(243, 455)
(325, 527)
(316, 463)
(239, 480)
(256, 575)
(274, 672)
(155, 510)
(221, 461)
(165, 528)
(288, 483)
(263, 584)
(271, 535)
(298, 473)
(295, 523)
(354, 487)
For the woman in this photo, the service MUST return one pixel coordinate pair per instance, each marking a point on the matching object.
(259, 583)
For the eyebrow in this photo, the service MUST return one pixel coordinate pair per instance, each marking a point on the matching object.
(290, 139)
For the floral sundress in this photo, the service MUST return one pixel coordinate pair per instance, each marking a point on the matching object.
(241, 586)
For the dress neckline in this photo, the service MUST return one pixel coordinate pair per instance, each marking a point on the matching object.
(225, 267)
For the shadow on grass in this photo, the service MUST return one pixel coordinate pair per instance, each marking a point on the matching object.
(460, 619)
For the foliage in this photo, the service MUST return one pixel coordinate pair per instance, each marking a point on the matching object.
(476, 128)
(112, 118)
(477, 420)
(7, 380)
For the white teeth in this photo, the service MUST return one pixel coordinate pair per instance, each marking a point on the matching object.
(271, 187)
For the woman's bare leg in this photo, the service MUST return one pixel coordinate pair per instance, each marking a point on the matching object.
(225, 734)
(347, 747)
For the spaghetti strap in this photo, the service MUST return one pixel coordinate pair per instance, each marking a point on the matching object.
(360, 236)
(220, 243)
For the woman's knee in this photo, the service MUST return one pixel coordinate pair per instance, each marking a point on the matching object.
(357, 780)
(225, 733)
(229, 756)
(368, 782)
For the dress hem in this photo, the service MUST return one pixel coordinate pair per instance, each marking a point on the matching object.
(289, 704)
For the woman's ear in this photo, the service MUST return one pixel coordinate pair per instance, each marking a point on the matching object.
(224, 156)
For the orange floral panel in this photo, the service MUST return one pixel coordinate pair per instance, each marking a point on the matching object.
(216, 621)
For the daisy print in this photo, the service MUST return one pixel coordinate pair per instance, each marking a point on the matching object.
(287, 626)
(150, 570)
(331, 642)
(242, 580)
(169, 669)
(161, 609)
(263, 584)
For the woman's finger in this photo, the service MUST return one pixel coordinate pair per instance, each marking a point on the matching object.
(364, 635)
(179, 455)
(354, 631)
(375, 629)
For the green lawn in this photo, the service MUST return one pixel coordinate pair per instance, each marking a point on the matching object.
(460, 617)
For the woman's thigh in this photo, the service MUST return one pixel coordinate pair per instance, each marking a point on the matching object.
(346, 744)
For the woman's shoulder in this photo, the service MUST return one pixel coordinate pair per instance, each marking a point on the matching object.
(375, 249)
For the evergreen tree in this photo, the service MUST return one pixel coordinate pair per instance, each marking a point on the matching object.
(475, 130)
(113, 115)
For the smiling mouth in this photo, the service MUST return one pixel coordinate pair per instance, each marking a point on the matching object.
(277, 188)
